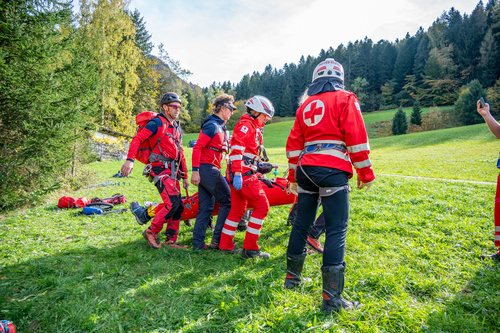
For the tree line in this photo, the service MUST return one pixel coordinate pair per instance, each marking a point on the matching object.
(63, 75)
(430, 66)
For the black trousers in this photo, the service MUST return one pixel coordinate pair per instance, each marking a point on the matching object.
(212, 187)
(335, 210)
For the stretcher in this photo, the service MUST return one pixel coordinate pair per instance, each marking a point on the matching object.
(276, 190)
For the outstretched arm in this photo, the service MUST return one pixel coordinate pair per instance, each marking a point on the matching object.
(493, 125)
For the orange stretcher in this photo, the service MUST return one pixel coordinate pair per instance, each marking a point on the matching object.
(278, 194)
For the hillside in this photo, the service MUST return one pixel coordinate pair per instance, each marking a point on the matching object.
(412, 255)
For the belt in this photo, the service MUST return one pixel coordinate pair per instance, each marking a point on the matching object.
(323, 146)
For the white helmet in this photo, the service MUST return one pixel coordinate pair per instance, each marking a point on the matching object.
(329, 68)
(261, 105)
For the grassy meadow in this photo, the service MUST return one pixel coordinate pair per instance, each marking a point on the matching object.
(412, 255)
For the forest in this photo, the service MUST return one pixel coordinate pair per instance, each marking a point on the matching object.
(65, 74)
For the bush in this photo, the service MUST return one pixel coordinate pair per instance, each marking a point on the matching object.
(399, 122)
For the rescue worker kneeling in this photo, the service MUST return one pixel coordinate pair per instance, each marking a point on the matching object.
(328, 134)
(167, 165)
(246, 147)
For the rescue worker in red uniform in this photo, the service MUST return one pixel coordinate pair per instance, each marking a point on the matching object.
(168, 164)
(208, 151)
(246, 147)
(327, 137)
(494, 127)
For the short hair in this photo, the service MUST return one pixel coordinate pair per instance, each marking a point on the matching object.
(217, 102)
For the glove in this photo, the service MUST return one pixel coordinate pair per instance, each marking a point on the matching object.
(237, 182)
(293, 188)
(366, 186)
(264, 168)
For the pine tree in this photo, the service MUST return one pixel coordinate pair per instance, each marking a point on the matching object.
(399, 122)
(416, 115)
(47, 97)
(466, 104)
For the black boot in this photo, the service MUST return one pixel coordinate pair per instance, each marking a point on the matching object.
(140, 213)
(294, 265)
(333, 285)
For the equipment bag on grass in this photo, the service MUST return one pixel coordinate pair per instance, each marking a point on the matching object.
(72, 202)
(116, 199)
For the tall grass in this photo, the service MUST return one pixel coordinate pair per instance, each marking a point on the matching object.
(412, 257)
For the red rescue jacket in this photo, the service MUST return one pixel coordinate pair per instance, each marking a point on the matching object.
(332, 119)
(211, 144)
(245, 144)
(169, 139)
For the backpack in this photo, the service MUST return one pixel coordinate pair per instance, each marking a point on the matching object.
(72, 202)
(145, 148)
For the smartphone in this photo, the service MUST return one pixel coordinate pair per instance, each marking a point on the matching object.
(481, 101)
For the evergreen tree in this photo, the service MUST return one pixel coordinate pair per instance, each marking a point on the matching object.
(416, 114)
(399, 122)
(466, 105)
(147, 89)
(47, 98)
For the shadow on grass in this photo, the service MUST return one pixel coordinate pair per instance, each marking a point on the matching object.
(476, 308)
(131, 287)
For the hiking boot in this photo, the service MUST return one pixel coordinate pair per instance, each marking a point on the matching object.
(140, 213)
(495, 256)
(151, 238)
(207, 247)
(188, 223)
(247, 254)
(314, 244)
(233, 251)
(172, 243)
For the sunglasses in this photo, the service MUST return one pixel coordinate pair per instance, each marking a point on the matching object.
(230, 110)
(176, 107)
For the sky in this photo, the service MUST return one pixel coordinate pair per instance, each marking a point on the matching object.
(222, 40)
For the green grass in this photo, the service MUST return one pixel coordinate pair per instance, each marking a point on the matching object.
(378, 116)
(412, 256)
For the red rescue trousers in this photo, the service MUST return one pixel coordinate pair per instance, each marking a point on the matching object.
(251, 194)
(171, 209)
(497, 214)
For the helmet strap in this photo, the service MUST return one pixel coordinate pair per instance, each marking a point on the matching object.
(249, 111)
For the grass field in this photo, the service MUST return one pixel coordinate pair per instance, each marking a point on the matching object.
(412, 255)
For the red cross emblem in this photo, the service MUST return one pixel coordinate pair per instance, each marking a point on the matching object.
(313, 112)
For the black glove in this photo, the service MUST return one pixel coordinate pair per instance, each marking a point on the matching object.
(264, 168)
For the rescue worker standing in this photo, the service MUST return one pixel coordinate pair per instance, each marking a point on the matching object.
(246, 147)
(494, 127)
(208, 151)
(327, 135)
(168, 164)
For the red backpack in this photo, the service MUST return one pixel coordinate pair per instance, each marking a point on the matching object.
(145, 148)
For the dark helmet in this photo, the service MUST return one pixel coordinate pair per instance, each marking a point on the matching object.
(169, 98)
